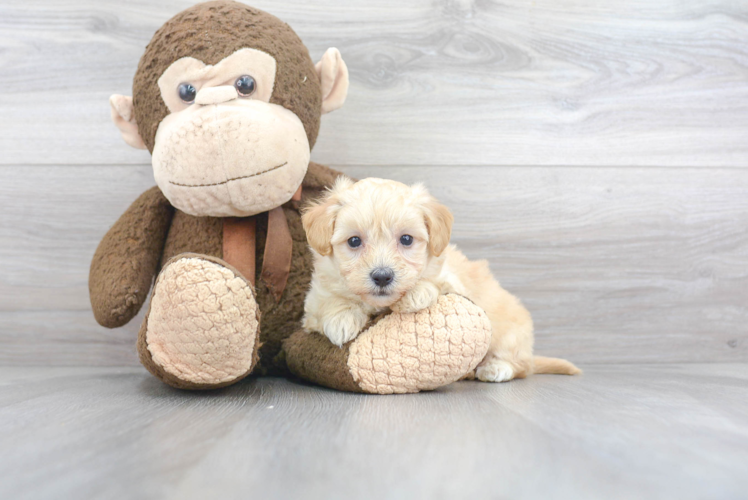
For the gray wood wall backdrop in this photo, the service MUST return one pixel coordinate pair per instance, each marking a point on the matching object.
(595, 151)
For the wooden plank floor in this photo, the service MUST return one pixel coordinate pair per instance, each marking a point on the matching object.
(618, 431)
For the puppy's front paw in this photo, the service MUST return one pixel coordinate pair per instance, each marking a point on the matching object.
(422, 296)
(345, 326)
(495, 370)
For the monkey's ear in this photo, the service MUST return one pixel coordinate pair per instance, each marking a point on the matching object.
(333, 77)
(124, 118)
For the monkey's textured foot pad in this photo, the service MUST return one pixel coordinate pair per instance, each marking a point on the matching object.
(401, 353)
(202, 327)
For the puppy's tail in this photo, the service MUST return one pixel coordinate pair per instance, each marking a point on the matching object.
(554, 365)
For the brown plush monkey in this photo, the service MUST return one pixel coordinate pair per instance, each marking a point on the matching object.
(228, 101)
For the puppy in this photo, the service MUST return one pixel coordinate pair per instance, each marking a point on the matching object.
(380, 245)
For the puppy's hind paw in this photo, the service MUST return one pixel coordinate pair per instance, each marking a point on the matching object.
(495, 371)
(345, 326)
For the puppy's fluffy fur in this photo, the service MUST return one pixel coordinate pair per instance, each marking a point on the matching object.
(382, 214)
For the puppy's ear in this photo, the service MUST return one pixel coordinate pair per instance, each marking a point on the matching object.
(319, 218)
(439, 224)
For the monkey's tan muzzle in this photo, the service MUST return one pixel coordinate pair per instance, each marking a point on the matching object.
(233, 158)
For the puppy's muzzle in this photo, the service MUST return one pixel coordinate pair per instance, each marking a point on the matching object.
(382, 276)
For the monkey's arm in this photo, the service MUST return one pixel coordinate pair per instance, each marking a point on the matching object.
(127, 258)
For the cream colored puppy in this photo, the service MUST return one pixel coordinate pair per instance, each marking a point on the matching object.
(380, 245)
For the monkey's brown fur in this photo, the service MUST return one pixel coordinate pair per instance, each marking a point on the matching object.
(232, 26)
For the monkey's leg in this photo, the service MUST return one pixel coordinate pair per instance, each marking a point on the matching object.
(202, 326)
(402, 352)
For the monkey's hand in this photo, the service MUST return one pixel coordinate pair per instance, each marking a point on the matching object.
(126, 260)
(421, 296)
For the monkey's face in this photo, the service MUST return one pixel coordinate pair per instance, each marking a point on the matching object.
(224, 149)
(228, 101)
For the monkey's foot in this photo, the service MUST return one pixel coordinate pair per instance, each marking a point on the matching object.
(202, 326)
(402, 352)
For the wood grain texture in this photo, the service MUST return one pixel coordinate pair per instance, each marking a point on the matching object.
(446, 82)
(616, 264)
(635, 431)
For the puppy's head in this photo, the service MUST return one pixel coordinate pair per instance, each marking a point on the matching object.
(380, 234)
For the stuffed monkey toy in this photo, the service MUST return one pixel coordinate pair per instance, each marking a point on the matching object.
(228, 102)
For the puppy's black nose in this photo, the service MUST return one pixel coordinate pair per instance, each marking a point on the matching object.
(382, 276)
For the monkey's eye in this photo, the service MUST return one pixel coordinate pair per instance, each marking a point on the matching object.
(406, 240)
(245, 85)
(187, 92)
(354, 242)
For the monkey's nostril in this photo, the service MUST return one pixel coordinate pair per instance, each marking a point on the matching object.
(382, 276)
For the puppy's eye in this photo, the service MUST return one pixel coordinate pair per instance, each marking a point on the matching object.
(245, 85)
(354, 242)
(406, 240)
(187, 92)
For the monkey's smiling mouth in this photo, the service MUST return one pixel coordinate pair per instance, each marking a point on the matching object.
(230, 180)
